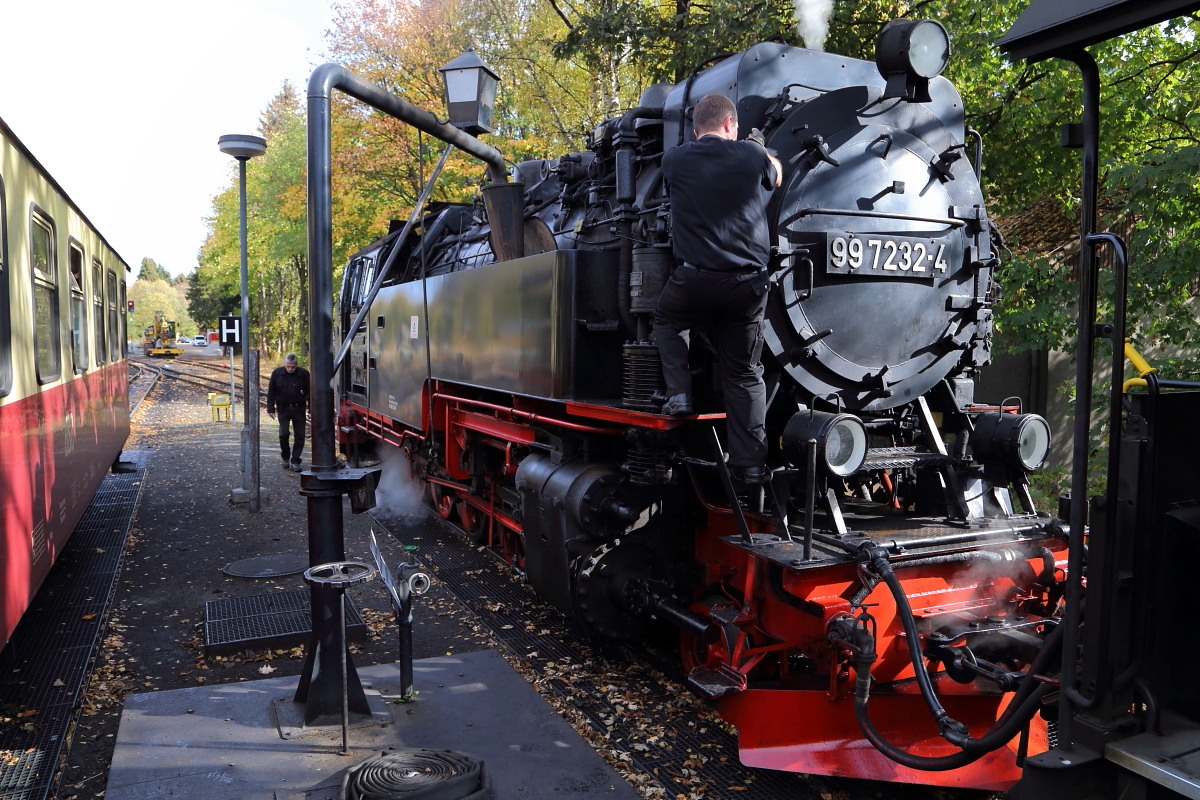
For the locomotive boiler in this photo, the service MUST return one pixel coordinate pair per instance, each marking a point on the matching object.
(881, 609)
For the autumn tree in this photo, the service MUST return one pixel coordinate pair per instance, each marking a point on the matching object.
(277, 258)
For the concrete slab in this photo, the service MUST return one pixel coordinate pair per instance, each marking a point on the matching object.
(290, 716)
(222, 742)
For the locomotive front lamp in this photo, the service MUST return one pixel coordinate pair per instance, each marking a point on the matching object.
(470, 93)
(1020, 441)
(841, 440)
(909, 54)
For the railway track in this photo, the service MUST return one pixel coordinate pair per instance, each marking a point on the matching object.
(139, 372)
(172, 371)
(221, 368)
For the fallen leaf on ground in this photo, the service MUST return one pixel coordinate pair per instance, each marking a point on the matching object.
(266, 669)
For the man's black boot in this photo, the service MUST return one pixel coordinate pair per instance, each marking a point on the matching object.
(678, 406)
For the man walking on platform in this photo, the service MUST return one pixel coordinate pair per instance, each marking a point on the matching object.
(719, 188)
(288, 392)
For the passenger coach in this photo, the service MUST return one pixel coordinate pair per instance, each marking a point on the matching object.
(64, 411)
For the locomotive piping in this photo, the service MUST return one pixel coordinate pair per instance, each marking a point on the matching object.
(1024, 704)
(334, 76)
(626, 194)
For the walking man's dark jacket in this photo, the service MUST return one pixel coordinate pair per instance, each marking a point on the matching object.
(288, 391)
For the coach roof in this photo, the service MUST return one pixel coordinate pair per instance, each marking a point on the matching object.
(1047, 28)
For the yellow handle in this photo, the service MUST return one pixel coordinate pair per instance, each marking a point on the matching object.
(1140, 364)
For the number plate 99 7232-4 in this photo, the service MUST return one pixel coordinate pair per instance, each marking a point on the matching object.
(886, 256)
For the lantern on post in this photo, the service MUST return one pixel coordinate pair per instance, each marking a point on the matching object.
(470, 93)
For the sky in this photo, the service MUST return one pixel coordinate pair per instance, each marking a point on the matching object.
(122, 101)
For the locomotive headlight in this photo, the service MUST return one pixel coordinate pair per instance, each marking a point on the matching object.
(1020, 441)
(909, 54)
(841, 441)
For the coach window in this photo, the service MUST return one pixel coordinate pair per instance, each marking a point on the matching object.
(114, 332)
(78, 308)
(98, 310)
(123, 312)
(46, 339)
(5, 341)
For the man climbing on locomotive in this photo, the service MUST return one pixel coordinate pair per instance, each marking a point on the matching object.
(719, 188)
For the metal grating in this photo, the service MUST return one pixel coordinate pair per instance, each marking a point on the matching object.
(45, 664)
(29, 752)
(33, 686)
(273, 620)
(534, 630)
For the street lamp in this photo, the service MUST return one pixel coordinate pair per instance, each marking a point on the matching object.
(243, 148)
(470, 93)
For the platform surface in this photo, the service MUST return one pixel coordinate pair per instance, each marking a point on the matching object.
(222, 742)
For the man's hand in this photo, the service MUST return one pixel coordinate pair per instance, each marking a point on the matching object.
(271, 414)
(756, 136)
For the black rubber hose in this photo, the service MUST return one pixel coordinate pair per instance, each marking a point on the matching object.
(1046, 578)
(1019, 561)
(1017, 714)
(913, 641)
(999, 735)
(1020, 709)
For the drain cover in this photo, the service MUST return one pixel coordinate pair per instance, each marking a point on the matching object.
(267, 567)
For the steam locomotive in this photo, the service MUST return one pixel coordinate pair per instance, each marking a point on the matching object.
(881, 608)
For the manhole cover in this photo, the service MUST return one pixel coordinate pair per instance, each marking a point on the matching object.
(267, 567)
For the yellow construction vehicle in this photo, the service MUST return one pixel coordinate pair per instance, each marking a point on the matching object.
(158, 340)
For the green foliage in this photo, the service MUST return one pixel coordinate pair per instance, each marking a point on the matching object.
(153, 271)
(208, 300)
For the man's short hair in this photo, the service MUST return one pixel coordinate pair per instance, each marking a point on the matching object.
(711, 111)
(290, 358)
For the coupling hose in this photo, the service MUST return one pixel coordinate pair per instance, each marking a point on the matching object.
(1020, 710)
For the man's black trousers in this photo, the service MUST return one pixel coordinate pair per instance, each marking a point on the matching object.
(731, 306)
(293, 417)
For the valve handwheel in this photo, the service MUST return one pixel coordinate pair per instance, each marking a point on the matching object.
(339, 574)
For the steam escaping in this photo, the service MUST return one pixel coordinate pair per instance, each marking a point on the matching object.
(812, 21)
(397, 492)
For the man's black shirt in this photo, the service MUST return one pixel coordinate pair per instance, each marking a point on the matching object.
(287, 390)
(719, 190)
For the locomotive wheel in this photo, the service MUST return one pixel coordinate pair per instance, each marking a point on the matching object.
(474, 522)
(694, 653)
(442, 500)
